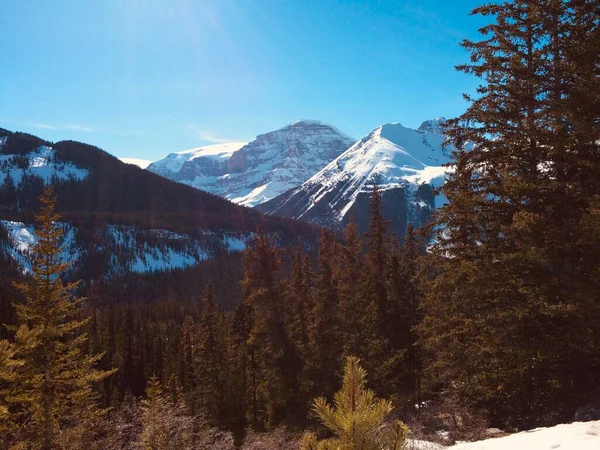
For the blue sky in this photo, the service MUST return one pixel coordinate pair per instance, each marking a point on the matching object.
(143, 78)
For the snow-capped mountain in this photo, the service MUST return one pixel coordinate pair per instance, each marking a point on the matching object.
(252, 173)
(404, 163)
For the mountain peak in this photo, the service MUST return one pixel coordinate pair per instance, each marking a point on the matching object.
(306, 122)
(434, 125)
(262, 169)
(315, 124)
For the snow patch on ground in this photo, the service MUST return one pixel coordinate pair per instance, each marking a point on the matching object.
(572, 436)
(237, 244)
(416, 444)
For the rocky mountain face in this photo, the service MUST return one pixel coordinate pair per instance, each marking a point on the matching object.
(405, 164)
(252, 173)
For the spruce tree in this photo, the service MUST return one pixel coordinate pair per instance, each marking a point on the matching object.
(298, 301)
(403, 312)
(207, 359)
(511, 278)
(165, 424)
(50, 391)
(324, 331)
(274, 357)
(353, 308)
(358, 311)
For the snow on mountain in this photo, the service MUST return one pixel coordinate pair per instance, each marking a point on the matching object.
(41, 163)
(172, 164)
(252, 173)
(404, 163)
(128, 248)
(142, 163)
(22, 238)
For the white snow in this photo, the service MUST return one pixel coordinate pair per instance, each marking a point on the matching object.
(41, 163)
(173, 162)
(390, 156)
(22, 238)
(416, 444)
(572, 436)
(264, 168)
(129, 247)
(235, 244)
(142, 163)
(221, 151)
(131, 255)
(256, 196)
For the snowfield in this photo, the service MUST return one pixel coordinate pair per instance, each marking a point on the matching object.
(570, 436)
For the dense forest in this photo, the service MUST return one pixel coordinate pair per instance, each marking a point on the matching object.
(488, 317)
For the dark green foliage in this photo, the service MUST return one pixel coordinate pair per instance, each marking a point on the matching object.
(511, 309)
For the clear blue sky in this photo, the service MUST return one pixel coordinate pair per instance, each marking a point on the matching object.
(143, 78)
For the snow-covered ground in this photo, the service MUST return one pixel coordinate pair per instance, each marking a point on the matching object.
(570, 436)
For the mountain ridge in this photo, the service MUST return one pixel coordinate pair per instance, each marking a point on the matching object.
(261, 169)
(405, 164)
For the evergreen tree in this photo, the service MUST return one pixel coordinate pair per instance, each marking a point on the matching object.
(186, 369)
(165, 425)
(511, 284)
(357, 418)
(242, 395)
(50, 391)
(275, 359)
(299, 306)
(325, 344)
(403, 312)
(359, 319)
(353, 308)
(207, 360)
(298, 300)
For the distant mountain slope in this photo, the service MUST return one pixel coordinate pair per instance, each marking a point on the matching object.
(404, 163)
(119, 217)
(252, 173)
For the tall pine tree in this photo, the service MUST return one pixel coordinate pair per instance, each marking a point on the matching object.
(50, 392)
(512, 295)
